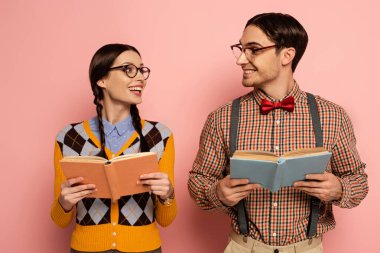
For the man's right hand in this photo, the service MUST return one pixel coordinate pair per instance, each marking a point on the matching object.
(231, 191)
(70, 194)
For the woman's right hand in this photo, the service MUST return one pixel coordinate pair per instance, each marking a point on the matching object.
(72, 193)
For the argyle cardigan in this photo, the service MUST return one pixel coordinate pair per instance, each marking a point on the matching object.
(278, 218)
(128, 225)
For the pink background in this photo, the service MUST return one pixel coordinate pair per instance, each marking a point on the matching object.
(45, 50)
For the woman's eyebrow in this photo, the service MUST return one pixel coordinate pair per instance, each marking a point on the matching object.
(128, 63)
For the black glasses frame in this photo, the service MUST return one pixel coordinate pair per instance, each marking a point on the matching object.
(142, 70)
(251, 51)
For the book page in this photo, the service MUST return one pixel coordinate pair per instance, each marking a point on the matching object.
(131, 156)
(79, 159)
(256, 155)
(304, 152)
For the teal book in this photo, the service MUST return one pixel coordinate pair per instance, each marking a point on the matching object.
(274, 172)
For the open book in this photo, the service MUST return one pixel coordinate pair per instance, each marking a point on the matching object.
(274, 172)
(113, 178)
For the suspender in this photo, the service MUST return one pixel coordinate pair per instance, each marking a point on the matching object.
(241, 210)
(314, 202)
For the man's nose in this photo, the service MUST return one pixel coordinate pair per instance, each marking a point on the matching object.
(242, 59)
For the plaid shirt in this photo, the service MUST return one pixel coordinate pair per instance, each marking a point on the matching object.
(278, 218)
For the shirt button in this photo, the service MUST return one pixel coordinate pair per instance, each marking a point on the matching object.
(113, 223)
(113, 245)
(275, 204)
(274, 234)
(114, 233)
(277, 122)
(276, 147)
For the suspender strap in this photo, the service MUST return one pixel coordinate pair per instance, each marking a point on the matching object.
(314, 202)
(313, 108)
(241, 211)
(234, 125)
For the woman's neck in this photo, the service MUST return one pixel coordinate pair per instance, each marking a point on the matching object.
(115, 113)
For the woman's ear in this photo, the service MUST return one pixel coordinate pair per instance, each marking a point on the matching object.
(101, 83)
(288, 55)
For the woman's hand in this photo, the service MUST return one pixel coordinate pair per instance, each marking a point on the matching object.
(71, 193)
(158, 183)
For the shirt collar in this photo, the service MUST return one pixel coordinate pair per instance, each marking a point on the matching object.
(259, 95)
(121, 127)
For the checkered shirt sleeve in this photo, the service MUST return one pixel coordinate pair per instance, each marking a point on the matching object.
(346, 164)
(209, 167)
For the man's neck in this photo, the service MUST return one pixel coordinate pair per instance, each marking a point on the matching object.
(279, 88)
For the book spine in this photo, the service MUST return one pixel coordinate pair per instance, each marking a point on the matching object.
(112, 180)
(278, 177)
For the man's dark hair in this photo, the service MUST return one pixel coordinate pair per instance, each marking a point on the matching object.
(284, 31)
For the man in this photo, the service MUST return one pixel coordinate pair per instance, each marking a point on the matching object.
(277, 116)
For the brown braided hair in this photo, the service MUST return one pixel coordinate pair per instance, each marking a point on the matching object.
(102, 60)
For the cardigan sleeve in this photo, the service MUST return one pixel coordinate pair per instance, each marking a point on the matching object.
(166, 214)
(58, 214)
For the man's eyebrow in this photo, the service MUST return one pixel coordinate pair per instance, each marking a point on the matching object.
(253, 43)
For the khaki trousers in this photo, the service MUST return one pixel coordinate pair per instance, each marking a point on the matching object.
(237, 245)
(116, 251)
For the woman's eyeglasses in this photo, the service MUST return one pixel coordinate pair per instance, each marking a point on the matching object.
(131, 70)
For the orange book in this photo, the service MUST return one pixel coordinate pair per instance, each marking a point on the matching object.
(113, 178)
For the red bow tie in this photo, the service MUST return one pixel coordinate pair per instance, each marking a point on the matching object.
(286, 104)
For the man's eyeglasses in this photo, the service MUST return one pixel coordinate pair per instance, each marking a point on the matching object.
(131, 70)
(249, 52)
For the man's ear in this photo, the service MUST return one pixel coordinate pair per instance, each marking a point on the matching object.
(288, 55)
(101, 83)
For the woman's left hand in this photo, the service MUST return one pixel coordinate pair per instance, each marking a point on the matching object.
(158, 183)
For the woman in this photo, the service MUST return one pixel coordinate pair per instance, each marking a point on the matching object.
(118, 78)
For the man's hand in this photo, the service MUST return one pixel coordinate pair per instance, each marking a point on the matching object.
(324, 186)
(231, 191)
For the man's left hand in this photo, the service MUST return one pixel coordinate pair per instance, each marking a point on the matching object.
(324, 186)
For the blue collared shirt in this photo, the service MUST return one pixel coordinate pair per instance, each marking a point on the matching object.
(115, 135)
